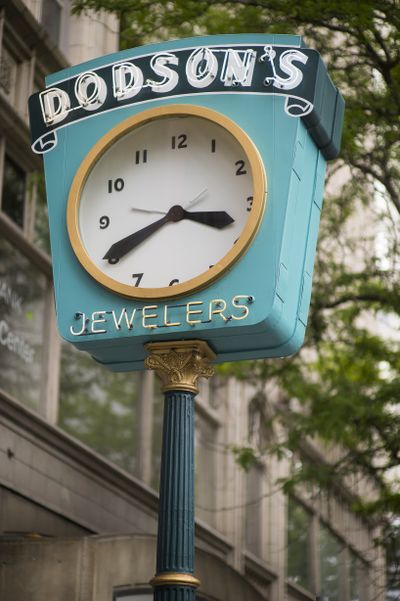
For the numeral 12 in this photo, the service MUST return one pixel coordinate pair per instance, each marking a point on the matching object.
(179, 141)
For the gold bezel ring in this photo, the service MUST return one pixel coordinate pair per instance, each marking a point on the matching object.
(205, 278)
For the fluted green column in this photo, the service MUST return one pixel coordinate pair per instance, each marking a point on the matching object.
(179, 366)
(175, 543)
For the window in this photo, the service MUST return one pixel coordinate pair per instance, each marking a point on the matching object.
(14, 187)
(23, 312)
(330, 560)
(253, 516)
(343, 575)
(216, 390)
(393, 564)
(15, 74)
(51, 18)
(357, 578)
(205, 460)
(299, 544)
(158, 414)
(99, 407)
(41, 235)
(117, 414)
(8, 73)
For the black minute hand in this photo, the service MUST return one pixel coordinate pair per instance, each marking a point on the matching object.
(122, 247)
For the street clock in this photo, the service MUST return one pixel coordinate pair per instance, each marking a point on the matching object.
(185, 184)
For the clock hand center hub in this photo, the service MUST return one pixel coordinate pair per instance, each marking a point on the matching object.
(176, 213)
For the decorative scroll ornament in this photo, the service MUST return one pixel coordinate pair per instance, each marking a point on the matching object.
(180, 364)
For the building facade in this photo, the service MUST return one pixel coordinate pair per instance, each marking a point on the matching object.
(80, 446)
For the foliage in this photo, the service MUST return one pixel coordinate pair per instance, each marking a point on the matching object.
(358, 40)
(345, 382)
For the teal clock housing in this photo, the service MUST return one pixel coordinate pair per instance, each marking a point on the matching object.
(279, 93)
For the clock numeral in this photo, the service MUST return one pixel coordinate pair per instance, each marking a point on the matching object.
(140, 156)
(172, 282)
(240, 168)
(209, 267)
(249, 199)
(138, 277)
(104, 222)
(236, 240)
(213, 145)
(179, 141)
(115, 185)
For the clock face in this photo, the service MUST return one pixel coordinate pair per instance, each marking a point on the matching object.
(166, 202)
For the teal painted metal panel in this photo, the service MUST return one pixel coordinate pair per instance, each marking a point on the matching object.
(265, 296)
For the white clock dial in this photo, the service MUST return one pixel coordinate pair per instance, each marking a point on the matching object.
(164, 204)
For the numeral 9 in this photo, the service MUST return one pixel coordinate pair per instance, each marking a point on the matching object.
(104, 222)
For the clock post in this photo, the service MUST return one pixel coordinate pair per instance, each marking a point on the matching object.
(185, 184)
(179, 366)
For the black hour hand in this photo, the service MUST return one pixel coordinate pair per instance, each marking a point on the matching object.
(218, 219)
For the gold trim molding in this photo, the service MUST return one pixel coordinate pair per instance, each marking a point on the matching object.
(180, 364)
(174, 578)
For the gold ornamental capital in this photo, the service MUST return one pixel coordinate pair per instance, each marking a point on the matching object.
(180, 364)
